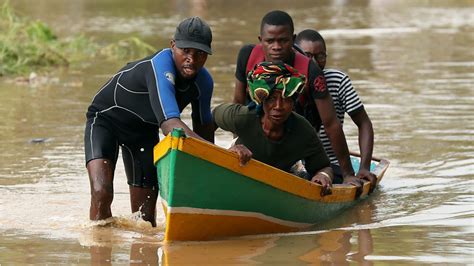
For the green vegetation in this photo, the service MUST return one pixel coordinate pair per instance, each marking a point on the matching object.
(27, 45)
(130, 48)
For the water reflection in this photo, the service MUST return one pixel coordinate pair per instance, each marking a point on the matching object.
(335, 247)
(108, 249)
(339, 247)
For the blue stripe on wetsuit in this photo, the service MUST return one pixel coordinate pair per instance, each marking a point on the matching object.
(163, 63)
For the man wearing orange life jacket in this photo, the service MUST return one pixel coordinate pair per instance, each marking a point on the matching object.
(276, 44)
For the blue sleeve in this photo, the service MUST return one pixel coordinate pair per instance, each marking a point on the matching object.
(205, 85)
(164, 104)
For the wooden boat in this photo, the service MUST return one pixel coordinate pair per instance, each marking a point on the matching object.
(207, 195)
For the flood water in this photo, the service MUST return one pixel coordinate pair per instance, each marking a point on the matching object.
(412, 63)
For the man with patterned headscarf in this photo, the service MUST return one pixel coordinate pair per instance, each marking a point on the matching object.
(270, 131)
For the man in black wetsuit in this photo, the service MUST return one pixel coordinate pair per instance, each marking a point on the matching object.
(130, 108)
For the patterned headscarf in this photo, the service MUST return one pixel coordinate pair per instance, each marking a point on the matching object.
(267, 76)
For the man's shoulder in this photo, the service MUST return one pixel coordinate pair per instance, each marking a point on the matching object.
(245, 51)
(247, 47)
(314, 70)
(166, 52)
(334, 73)
(338, 81)
(242, 62)
(162, 57)
(143, 62)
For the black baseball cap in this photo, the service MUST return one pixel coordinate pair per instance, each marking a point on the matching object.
(194, 33)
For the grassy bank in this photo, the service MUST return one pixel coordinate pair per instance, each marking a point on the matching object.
(28, 45)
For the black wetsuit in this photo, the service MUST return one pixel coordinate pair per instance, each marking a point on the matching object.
(128, 110)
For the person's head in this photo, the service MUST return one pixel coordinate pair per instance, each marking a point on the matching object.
(275, 86)
(190, 46)
(313, 45)
(277, 35)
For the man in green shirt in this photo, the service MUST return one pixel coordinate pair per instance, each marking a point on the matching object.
(270, 131)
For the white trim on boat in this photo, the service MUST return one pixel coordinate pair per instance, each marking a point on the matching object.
(190, 210)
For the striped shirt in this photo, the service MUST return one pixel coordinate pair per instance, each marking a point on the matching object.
(345, 100)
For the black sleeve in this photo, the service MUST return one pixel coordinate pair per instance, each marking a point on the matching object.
(316, 81)
(242, 59)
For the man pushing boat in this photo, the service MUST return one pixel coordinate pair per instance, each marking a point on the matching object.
(129, 109)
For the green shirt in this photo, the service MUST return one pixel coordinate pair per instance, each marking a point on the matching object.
(300, 141)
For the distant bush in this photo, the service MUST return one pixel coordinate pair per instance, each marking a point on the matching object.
(130, 48)
(27, 45)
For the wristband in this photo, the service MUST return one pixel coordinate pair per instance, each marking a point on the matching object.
(325, 174)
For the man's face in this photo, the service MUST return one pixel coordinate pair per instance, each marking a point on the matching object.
(276, 108)
(277, 42)
(315, 50)
(188, 61)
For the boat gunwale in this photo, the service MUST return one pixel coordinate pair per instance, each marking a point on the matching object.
(259, 171)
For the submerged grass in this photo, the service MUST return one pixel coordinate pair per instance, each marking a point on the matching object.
(27, 45)
(130, 48)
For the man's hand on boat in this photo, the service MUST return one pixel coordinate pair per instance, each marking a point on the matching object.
(324, 178)
(244, 153)
(365, 174)
(355, 181)
(359, 180)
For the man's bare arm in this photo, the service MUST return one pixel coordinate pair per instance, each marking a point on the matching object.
(333, 128)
